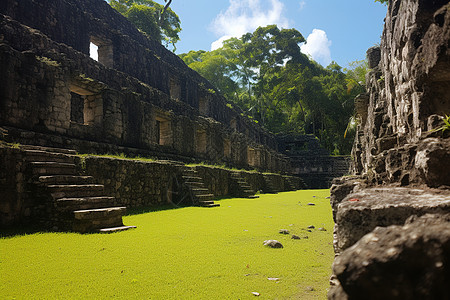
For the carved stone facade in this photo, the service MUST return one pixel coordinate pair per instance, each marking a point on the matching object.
(137, 98)
(311, 162)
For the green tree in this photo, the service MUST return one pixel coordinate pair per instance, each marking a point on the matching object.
(157, 21)
(273, 82)
(383, 1)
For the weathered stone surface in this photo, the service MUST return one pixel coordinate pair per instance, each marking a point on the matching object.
(408, 91)
(359, 213)
(114, 105)
(397, 262)
(341, 188)
(398, 144)
(433, 160)
(310, 161)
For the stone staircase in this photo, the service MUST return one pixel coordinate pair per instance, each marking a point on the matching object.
(74, 202)
(270, 185)
(197, 190)
(292, 185)
(243, 189)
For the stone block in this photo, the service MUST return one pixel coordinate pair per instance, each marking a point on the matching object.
(359, 213)
(397, 262)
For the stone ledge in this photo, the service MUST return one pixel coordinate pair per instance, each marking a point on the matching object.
(397, 262)
(359, 213)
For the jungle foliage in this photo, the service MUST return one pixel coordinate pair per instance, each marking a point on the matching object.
(278, 86)
(157, 21)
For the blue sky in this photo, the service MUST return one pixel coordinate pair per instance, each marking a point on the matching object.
(339, 30)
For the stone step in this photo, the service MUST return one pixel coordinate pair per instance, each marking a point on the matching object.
(204, 197)
(98, 213)
(206, 202)
(209, 205)
(48, 149)
(199, 190)
(189, 171)
(58, 191)
(192, 178)
(43, 156)
(65, 179)
(115, 229)
(83, 203)
(88, 220)
(53, 168)
(195, 183)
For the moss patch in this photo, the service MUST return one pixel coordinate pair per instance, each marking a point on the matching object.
(187, 253)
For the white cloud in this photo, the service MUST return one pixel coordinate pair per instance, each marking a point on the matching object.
(318, 47)
(244, 16)
(302, 4)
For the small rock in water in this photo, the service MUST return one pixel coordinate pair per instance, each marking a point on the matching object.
(322, 229)
(311, 204)
(295, 237)
(273, 244)
(311, 227)
(283, 231)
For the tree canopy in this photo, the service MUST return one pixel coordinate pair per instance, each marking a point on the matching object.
(153, 19)
(278, 86)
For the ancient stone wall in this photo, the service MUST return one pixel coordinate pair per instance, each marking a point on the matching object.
(407, 93)
(133, 183)
(386, 214)
(18, 203)
(311, 162)
(60, 22)
(54, 90)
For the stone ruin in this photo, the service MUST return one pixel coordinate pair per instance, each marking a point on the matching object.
(137, 99)
(392, 232)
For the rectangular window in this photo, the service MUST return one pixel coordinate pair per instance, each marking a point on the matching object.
(164, 132)
(101, 50)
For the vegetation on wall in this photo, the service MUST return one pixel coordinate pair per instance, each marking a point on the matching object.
(267, 75)
(157, 21)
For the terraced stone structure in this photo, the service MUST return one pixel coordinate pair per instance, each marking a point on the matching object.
(138, 99)
(391, 234)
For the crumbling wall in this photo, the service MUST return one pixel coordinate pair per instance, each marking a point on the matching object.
(49, 93)
(77, 23)
(18, 204)
(401, 159)
(311, 162)
(407, 93)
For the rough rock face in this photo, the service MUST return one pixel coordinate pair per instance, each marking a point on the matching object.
(407, 88)
(397, 262)
(402, 161)
(361, 212)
